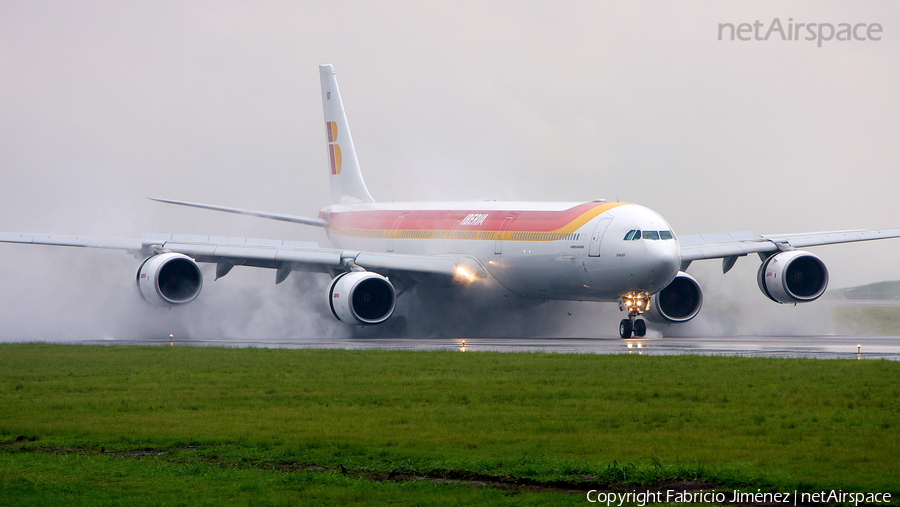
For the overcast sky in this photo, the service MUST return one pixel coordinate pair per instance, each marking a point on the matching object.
(103, 104)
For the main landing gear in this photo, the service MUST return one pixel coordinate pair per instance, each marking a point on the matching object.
(635, 304)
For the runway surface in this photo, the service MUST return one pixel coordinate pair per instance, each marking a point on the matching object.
(822, 347)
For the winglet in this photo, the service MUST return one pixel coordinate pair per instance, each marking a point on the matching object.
(347, 185)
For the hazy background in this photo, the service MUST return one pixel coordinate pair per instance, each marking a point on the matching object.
(105, 103)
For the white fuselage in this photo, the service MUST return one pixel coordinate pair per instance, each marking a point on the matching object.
(571, 251)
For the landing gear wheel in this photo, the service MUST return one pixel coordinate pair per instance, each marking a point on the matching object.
(625, 329)
(640, 328)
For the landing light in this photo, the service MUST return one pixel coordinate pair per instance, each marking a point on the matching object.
(635, 302)
(465, 273)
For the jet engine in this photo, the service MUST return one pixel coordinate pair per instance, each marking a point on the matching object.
(680, 301)
(169, 279)
(792, 277)
(361, 297)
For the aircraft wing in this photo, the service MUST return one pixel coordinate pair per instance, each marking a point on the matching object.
(730, 245)
(285, 255)
(131, 245)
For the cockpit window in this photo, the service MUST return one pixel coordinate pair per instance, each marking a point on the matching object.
(634, 235)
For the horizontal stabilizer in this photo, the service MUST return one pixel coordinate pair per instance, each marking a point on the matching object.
(318, 222)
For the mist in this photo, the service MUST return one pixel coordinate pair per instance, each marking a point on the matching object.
(103, 104)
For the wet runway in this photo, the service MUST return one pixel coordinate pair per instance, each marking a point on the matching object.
(822, 347)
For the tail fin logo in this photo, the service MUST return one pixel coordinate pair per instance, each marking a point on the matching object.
(334, 150)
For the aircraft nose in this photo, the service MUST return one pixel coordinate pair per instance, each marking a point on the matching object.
(662, 262)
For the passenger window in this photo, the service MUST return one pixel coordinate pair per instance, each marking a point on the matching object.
(665, 234)
(629, 235)
(651, 235)
(637, 235)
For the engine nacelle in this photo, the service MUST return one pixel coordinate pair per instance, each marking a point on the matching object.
(680, 301)
(792, 277)
(361, 297)
(169, 279)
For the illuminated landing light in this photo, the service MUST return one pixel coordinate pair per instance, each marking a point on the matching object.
(634, 303)
(858, 347)
(630, 345)
(467, 275)
(640, 345)
(172, 340)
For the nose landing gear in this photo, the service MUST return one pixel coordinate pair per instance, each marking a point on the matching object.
(640, 328)
(635, 304)
(629, 326)
(625, 328)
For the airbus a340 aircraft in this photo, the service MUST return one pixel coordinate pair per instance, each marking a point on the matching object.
(594, 251)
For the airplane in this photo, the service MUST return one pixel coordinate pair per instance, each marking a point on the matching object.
(598, 251)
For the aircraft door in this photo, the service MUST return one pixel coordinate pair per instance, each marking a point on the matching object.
(393, 232)
(498, 244)
(597, 237)
(452, 237)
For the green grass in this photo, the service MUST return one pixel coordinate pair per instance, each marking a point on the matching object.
(877, 290)
(867, 320)
(274, 426)
(73, 479)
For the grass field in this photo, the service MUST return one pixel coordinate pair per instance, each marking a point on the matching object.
(867, 320)
(185, 425)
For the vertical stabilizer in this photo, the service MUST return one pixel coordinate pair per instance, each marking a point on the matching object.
(347, 185)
